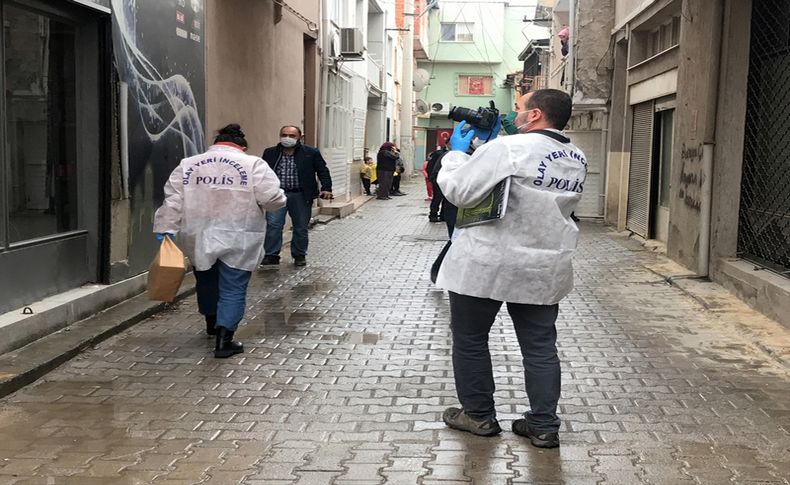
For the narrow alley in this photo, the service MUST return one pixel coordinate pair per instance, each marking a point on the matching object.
(347, 369)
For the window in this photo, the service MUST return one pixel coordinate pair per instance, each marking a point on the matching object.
(338, 113)
(663, 37)
(457, 32)
(41, 114)
(475, 85)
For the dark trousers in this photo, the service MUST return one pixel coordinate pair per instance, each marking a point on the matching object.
(299, 208)
(441, 208)
(471, 319)
(385, 182)
(366, 185)
(396, 183)
(436, 201)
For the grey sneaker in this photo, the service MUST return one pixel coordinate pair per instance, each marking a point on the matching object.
(541, 440)
(456, 418)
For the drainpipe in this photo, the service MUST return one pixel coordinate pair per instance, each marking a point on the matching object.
(407, 72)
(124, 139)
(709, 142)
(323, 44)
(571, 46)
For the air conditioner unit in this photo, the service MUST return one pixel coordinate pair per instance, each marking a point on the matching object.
(352, 43)
(440, 108)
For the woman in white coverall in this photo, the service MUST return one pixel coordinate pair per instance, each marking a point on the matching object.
(216, 202)
(522, 259)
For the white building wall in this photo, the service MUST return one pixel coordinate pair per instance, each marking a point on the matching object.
(350, 82)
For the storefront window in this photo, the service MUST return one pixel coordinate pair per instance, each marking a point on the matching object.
(40, 90)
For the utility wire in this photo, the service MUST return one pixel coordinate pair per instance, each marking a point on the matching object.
(485, 46)
(436, 54)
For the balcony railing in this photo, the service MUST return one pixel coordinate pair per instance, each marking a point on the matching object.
(558, 75)
(375, 73)
(531, 83)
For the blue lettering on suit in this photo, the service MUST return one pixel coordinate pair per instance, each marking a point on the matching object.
(223, 180)
(555, 182)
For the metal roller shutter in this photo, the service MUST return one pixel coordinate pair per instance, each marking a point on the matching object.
(591, 143)
(638, 216)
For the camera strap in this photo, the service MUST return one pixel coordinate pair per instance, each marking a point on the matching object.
(552, 134)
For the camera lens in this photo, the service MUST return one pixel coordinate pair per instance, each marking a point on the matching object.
(459, 113)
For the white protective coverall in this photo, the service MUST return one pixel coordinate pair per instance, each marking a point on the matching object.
(525, 257)
(216, 201)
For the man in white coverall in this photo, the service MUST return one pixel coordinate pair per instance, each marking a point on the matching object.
(216, 202)
(522, 259)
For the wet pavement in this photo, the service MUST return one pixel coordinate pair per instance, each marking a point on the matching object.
(347, 370)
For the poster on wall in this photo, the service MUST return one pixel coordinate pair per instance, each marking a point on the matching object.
(159, 54)
(476, 85)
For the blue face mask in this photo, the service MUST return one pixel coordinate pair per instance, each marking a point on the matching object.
(508, 123)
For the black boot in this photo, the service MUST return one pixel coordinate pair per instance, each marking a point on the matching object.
(211, 323)
(225, 344)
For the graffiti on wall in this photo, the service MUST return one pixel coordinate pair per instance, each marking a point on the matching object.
(691, 176)
(159, 55)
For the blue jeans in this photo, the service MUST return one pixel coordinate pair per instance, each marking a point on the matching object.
(299, 208)
(471, 319)
(222, 291)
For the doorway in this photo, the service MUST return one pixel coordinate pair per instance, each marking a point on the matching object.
(50, 197)
(664, 127)
(310, 114)
(650, 168)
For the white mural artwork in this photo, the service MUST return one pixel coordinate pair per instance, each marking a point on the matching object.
(166, 106)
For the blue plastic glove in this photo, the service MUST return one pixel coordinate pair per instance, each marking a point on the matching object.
(488, 135)
(161, 237)
(460, 140)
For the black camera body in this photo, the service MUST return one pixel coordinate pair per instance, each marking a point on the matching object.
(483, 118)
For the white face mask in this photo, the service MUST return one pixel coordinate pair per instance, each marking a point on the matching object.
(288, 142)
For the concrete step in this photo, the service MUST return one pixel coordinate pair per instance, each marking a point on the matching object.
(325, 218)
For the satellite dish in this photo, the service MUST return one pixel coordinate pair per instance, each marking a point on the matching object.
(421, 106)
(421, 78)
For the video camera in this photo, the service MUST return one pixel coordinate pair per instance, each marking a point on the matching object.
(482, 118)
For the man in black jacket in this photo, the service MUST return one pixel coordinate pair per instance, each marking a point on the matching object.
(297, 166)
(441, 208)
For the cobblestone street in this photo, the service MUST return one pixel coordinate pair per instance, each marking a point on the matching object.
(347, 369)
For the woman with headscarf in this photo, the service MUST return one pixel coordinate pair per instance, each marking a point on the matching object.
(386, 161)
(564, 35)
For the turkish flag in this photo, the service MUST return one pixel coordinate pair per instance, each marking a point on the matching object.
(443, 136)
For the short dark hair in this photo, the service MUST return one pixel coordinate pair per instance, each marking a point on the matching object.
(556, 106)
(231, 133)
(292, 126)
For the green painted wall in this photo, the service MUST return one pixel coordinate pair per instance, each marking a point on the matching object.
(498, 40)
